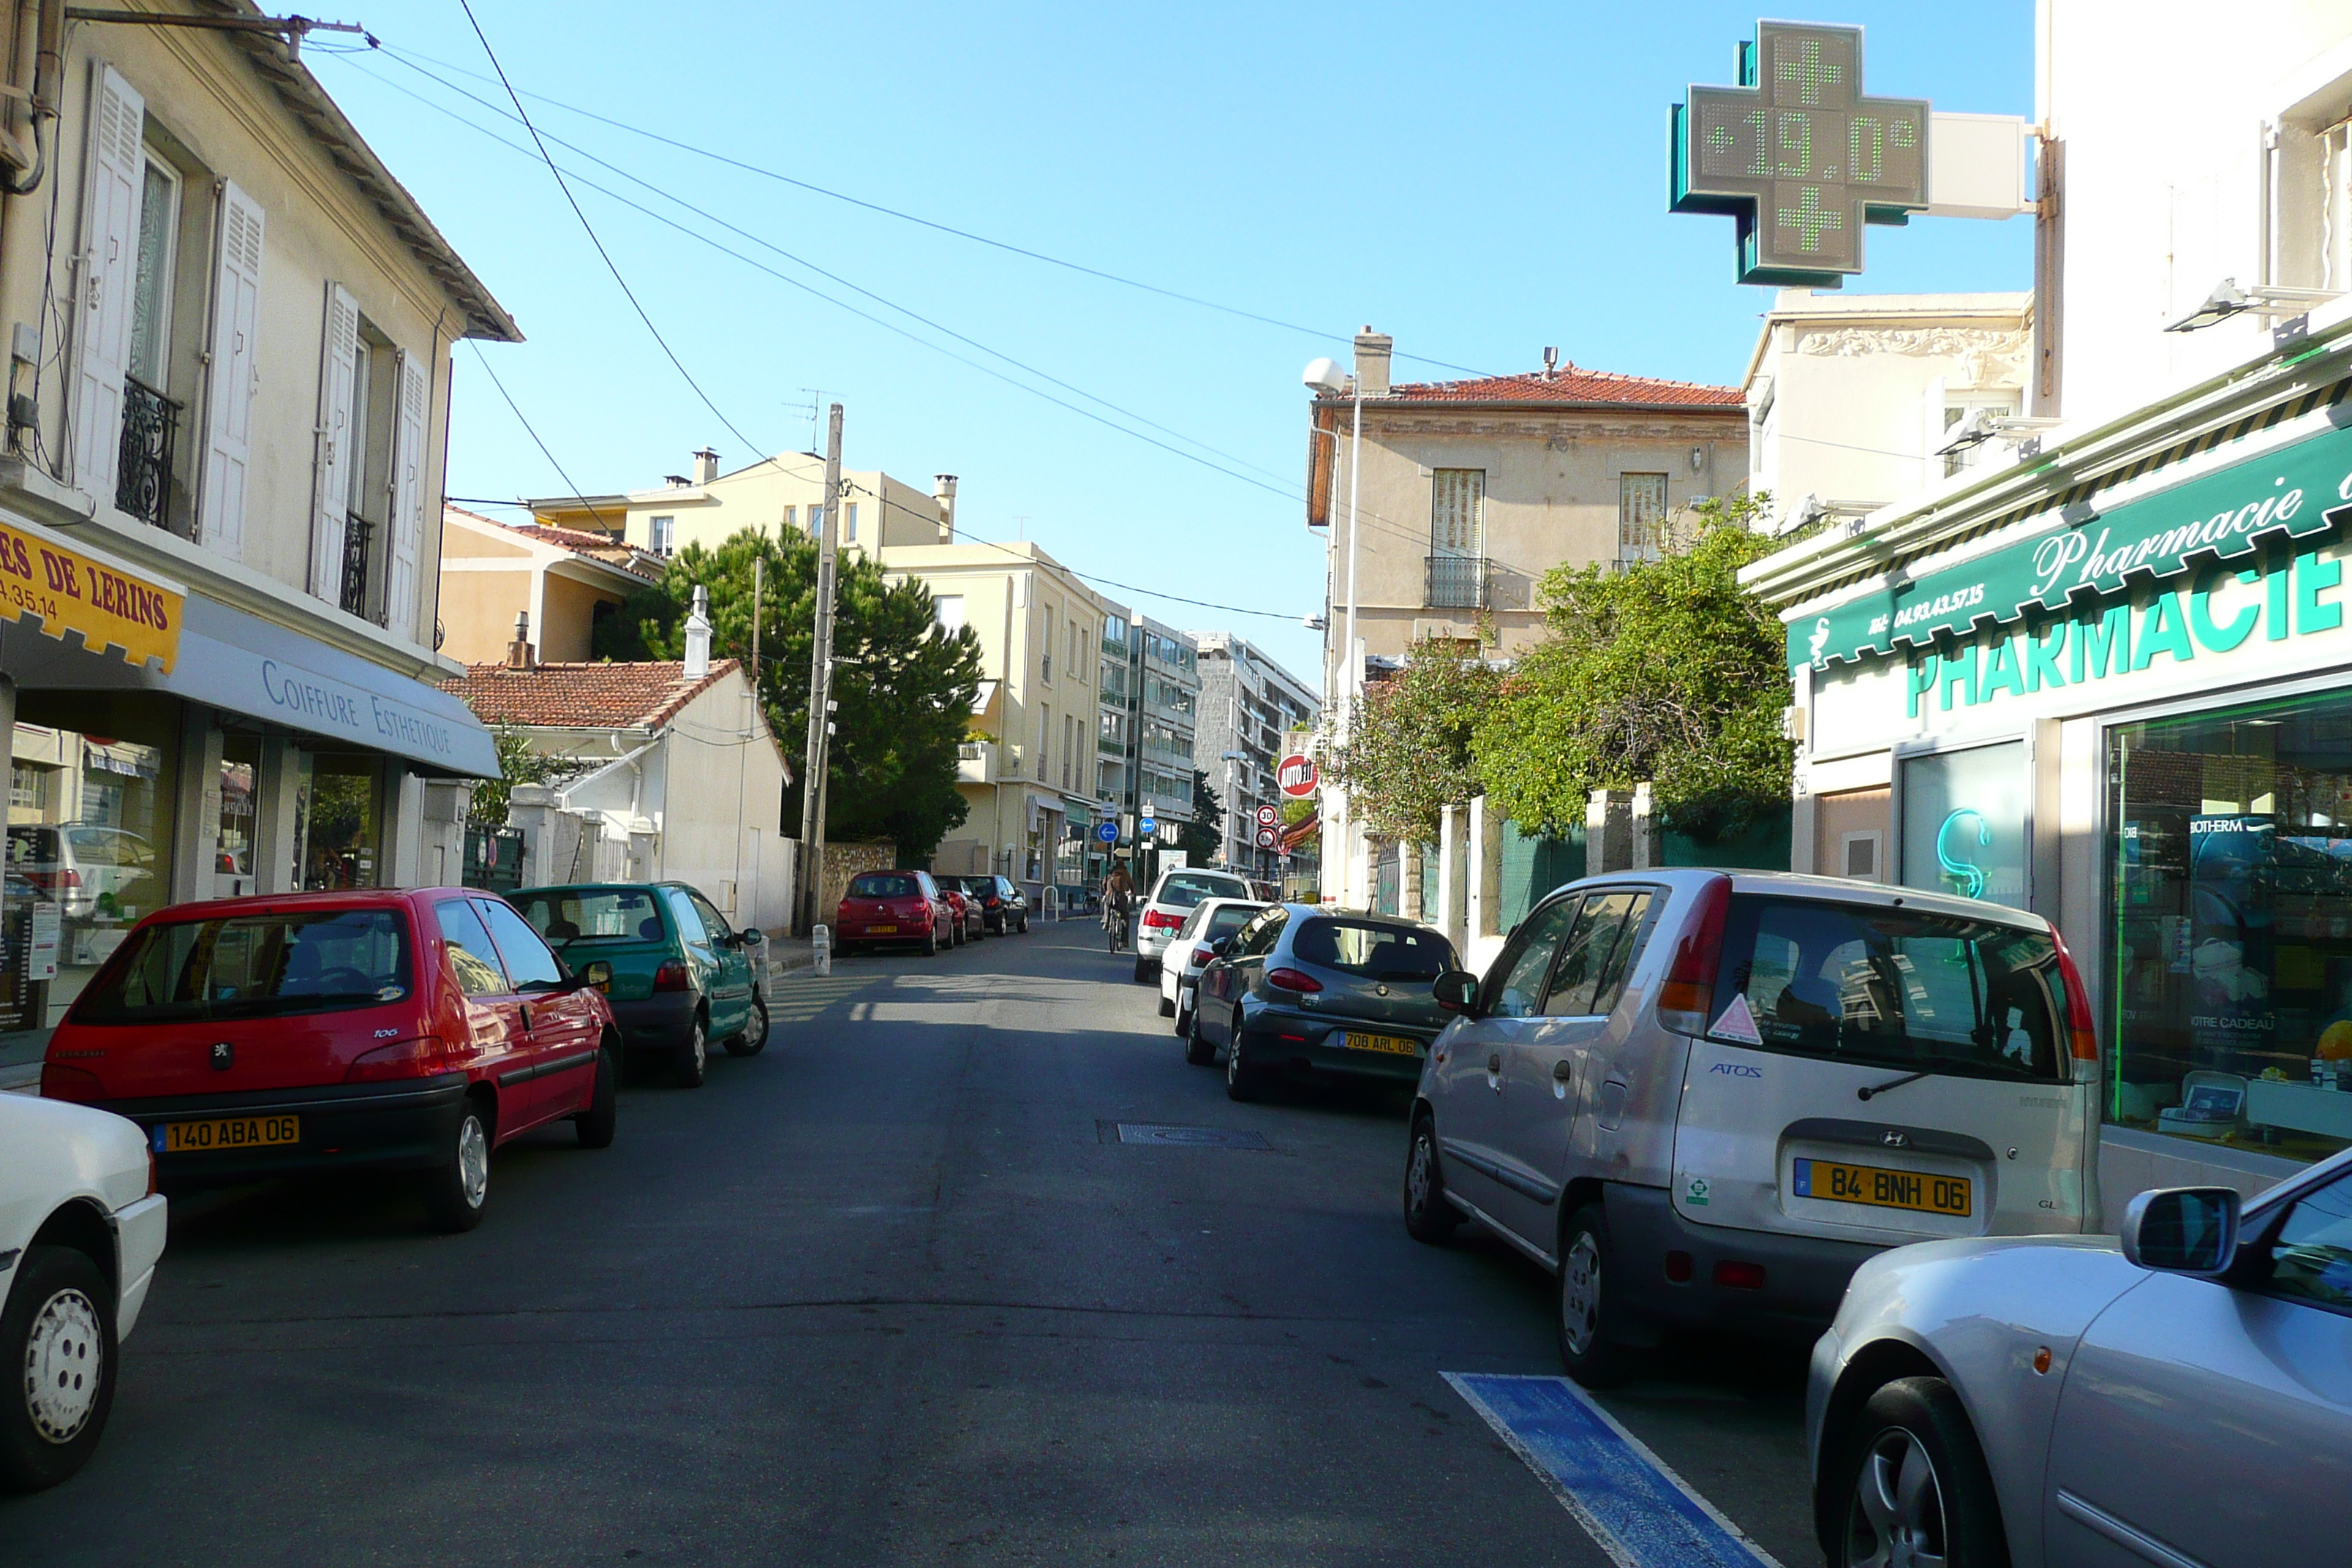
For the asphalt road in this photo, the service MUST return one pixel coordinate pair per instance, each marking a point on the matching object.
(892, 1293)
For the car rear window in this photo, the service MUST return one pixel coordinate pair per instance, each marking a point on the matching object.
(1373, 950)
(1182, 889)
(252, 966)
(1900, 987)
(883, 885)
(592, 914)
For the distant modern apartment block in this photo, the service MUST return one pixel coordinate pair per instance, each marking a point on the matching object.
(1247, 702)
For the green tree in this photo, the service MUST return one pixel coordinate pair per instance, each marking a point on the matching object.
(518, 763)
(903, 685)
(1408, 754)
(1202, 840)
(1667, 671)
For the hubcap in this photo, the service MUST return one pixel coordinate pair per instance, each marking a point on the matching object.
(701, 1050)
(473, 1161)
(760, 1015)
(1896, 1519)
(65, 1358)
(1233, 1059)
(1580, 1293)
(1416, 1176)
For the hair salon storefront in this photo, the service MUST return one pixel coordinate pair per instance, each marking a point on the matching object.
(163, 746)
(2116, 688)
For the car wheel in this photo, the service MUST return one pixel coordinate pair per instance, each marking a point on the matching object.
(58, 1327)
(1197, 1049)
(690, 1061)
(1587, 1315)
(752, 1038)
(1243, 1081)
(457, 1189)
(594, 1125)
(1428, 1217)
(1915, 1488)
(1025, 925)
(931, 942)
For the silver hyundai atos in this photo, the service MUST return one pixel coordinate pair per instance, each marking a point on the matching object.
(1701, 1098)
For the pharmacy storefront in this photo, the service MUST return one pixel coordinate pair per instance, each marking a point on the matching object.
(164, 747)
(2125, 702)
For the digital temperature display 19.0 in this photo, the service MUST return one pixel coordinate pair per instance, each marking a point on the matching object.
(1798, 156)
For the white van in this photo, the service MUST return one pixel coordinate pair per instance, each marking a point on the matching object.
(1701, 1098)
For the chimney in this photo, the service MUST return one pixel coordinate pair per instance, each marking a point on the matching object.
(943, 490)
(706, 465)
(520, 655)
(1372, 363)
(674, 481)
(698, 637)
(1551, 363)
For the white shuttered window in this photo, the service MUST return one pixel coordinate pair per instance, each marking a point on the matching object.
(117, 170)
(338, 443)
(408, 494)
(234, 373)
(1457, 512)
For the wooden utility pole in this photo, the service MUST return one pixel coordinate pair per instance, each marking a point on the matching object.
(820, 728)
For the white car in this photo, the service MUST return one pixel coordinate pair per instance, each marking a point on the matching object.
(81, 1226)
(2181, 1394)
(1175, 895)
(1187, 952)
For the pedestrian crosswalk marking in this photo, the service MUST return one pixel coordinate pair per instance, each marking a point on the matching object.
(1627, 1499)
(798, 998)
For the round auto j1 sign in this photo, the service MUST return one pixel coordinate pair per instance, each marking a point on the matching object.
(1298, 776)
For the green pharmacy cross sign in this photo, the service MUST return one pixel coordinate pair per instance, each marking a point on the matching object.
(1798, 156)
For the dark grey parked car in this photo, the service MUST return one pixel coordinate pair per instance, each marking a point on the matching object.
(1303, 989)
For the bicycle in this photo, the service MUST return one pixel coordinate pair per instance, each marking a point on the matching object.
(1115, 922)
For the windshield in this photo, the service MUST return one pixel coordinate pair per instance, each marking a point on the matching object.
(252, 966)
(1890, 987)
(883, 885)
(1182, 889)
(1373, 950)
(568, 915)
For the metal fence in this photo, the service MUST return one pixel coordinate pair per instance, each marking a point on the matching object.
(1457, 582)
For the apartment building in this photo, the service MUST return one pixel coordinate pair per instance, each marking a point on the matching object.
(1030, 769)
(784, 492)
(1247, 703)
(219, 496)
(559, 585)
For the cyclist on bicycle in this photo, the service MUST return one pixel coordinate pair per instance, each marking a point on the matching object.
(1118, 897)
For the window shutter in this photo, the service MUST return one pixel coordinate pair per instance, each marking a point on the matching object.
(234, 371)
(407, 496)
(330, 480)
(109, 230)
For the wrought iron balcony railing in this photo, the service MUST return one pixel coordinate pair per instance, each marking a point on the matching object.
(357, 532)
(143, 481)
(1457, 582)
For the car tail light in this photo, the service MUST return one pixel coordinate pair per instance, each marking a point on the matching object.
(1202, 958)
(2081, 1038)
(1292, 980)
(1734, 1275)
(672, 976)
(1162, 920)
(54, 881)
(1689, 989)
(401, 1058)
(60, 1081)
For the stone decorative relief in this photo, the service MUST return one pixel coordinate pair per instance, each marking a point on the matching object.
(1988, 358)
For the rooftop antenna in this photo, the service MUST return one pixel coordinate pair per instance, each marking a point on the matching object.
(1020, 527)
(812, 407)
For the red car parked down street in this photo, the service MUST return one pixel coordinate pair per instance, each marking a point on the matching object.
(970, 924)
(377, 1030)
(893, 907)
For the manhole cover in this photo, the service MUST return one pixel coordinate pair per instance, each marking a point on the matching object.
(1169, 1136)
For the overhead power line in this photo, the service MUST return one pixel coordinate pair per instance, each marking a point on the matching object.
(408, 56)
(533, 433)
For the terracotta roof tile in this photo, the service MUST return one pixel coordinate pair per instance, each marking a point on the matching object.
(587, 696)
(1571, 385)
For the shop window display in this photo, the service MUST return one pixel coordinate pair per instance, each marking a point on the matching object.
(338, 819)
(1964, 822)
(2230, 854)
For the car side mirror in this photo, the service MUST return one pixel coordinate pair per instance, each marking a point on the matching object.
(596, 975)
(1456, 991)
(1221, 946)
(2182, 1230)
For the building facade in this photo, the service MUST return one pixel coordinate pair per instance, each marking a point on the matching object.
(784, 492)
(1030, 769)
(2102, 674)
(559, 585)
(219, 498)
(1248, 704)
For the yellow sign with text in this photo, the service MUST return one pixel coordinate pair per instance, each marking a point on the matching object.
(70, 592)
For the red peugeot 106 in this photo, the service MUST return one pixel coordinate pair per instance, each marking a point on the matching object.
(377, 1030)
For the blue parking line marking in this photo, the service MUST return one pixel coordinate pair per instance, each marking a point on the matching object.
(1628, 1499)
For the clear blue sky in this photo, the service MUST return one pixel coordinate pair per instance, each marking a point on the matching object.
(1480, 181)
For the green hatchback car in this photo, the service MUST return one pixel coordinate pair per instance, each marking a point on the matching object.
(681, 977)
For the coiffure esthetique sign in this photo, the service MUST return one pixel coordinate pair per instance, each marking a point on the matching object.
(2239, 514)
